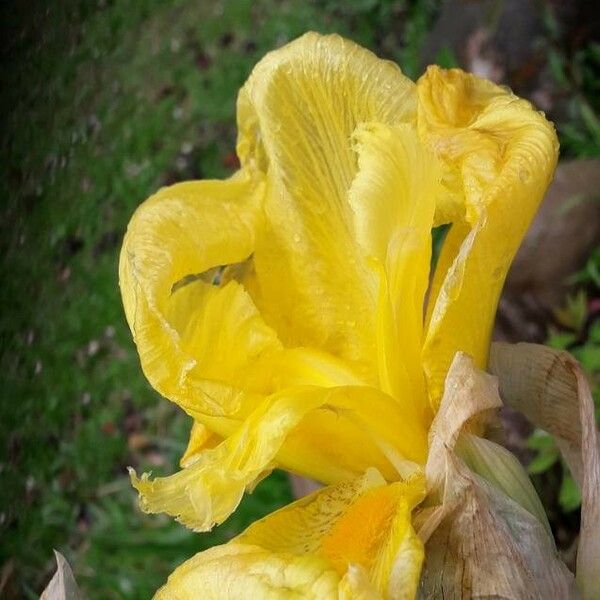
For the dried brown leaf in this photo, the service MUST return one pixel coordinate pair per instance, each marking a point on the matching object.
(549, 387)
(487, 546)
(62, 586)
(468, 393)
(480, 543)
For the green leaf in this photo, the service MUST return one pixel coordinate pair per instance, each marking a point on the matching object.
(560, 339)
(589, 357)
(546, 452)
(569, 497)
(574, 313)
(446, 58)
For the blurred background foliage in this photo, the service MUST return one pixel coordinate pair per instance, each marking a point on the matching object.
(102, 103)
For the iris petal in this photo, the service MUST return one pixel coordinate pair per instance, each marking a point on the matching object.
(210, 487)
(501, 154)
(296, 116)
(193, 337)
(331, 444)
(239, 571)
(393, 197)
(350, 540)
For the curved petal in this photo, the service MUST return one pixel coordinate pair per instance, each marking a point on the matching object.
(360, 427)
(193, 338)
(296, 115)
(363, 522)
(500, 155)
(333, 444)
(351, 540)
(301, 526)
(393, 198)
(209, 488)
(207, 348)
(238, 571)
(201, 438)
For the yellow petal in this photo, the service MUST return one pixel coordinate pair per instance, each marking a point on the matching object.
(363, 523)
(393, 197)
(221, 329)
(352, 540)
(500, 155)
(302, 526)
(194, 338)
(239, 571)
(300, 366)
(296, 115)
(362, 427)
(355, 585)
(332, 444)
(375, 532)
(209, 489)
(201, 438)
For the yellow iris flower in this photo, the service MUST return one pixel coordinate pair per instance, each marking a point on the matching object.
(290, 311)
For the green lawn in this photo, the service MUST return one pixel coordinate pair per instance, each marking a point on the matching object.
(102, 103)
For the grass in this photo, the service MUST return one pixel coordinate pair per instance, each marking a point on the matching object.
(102, 103)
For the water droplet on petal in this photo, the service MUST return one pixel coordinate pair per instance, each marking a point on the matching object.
(524, 175)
